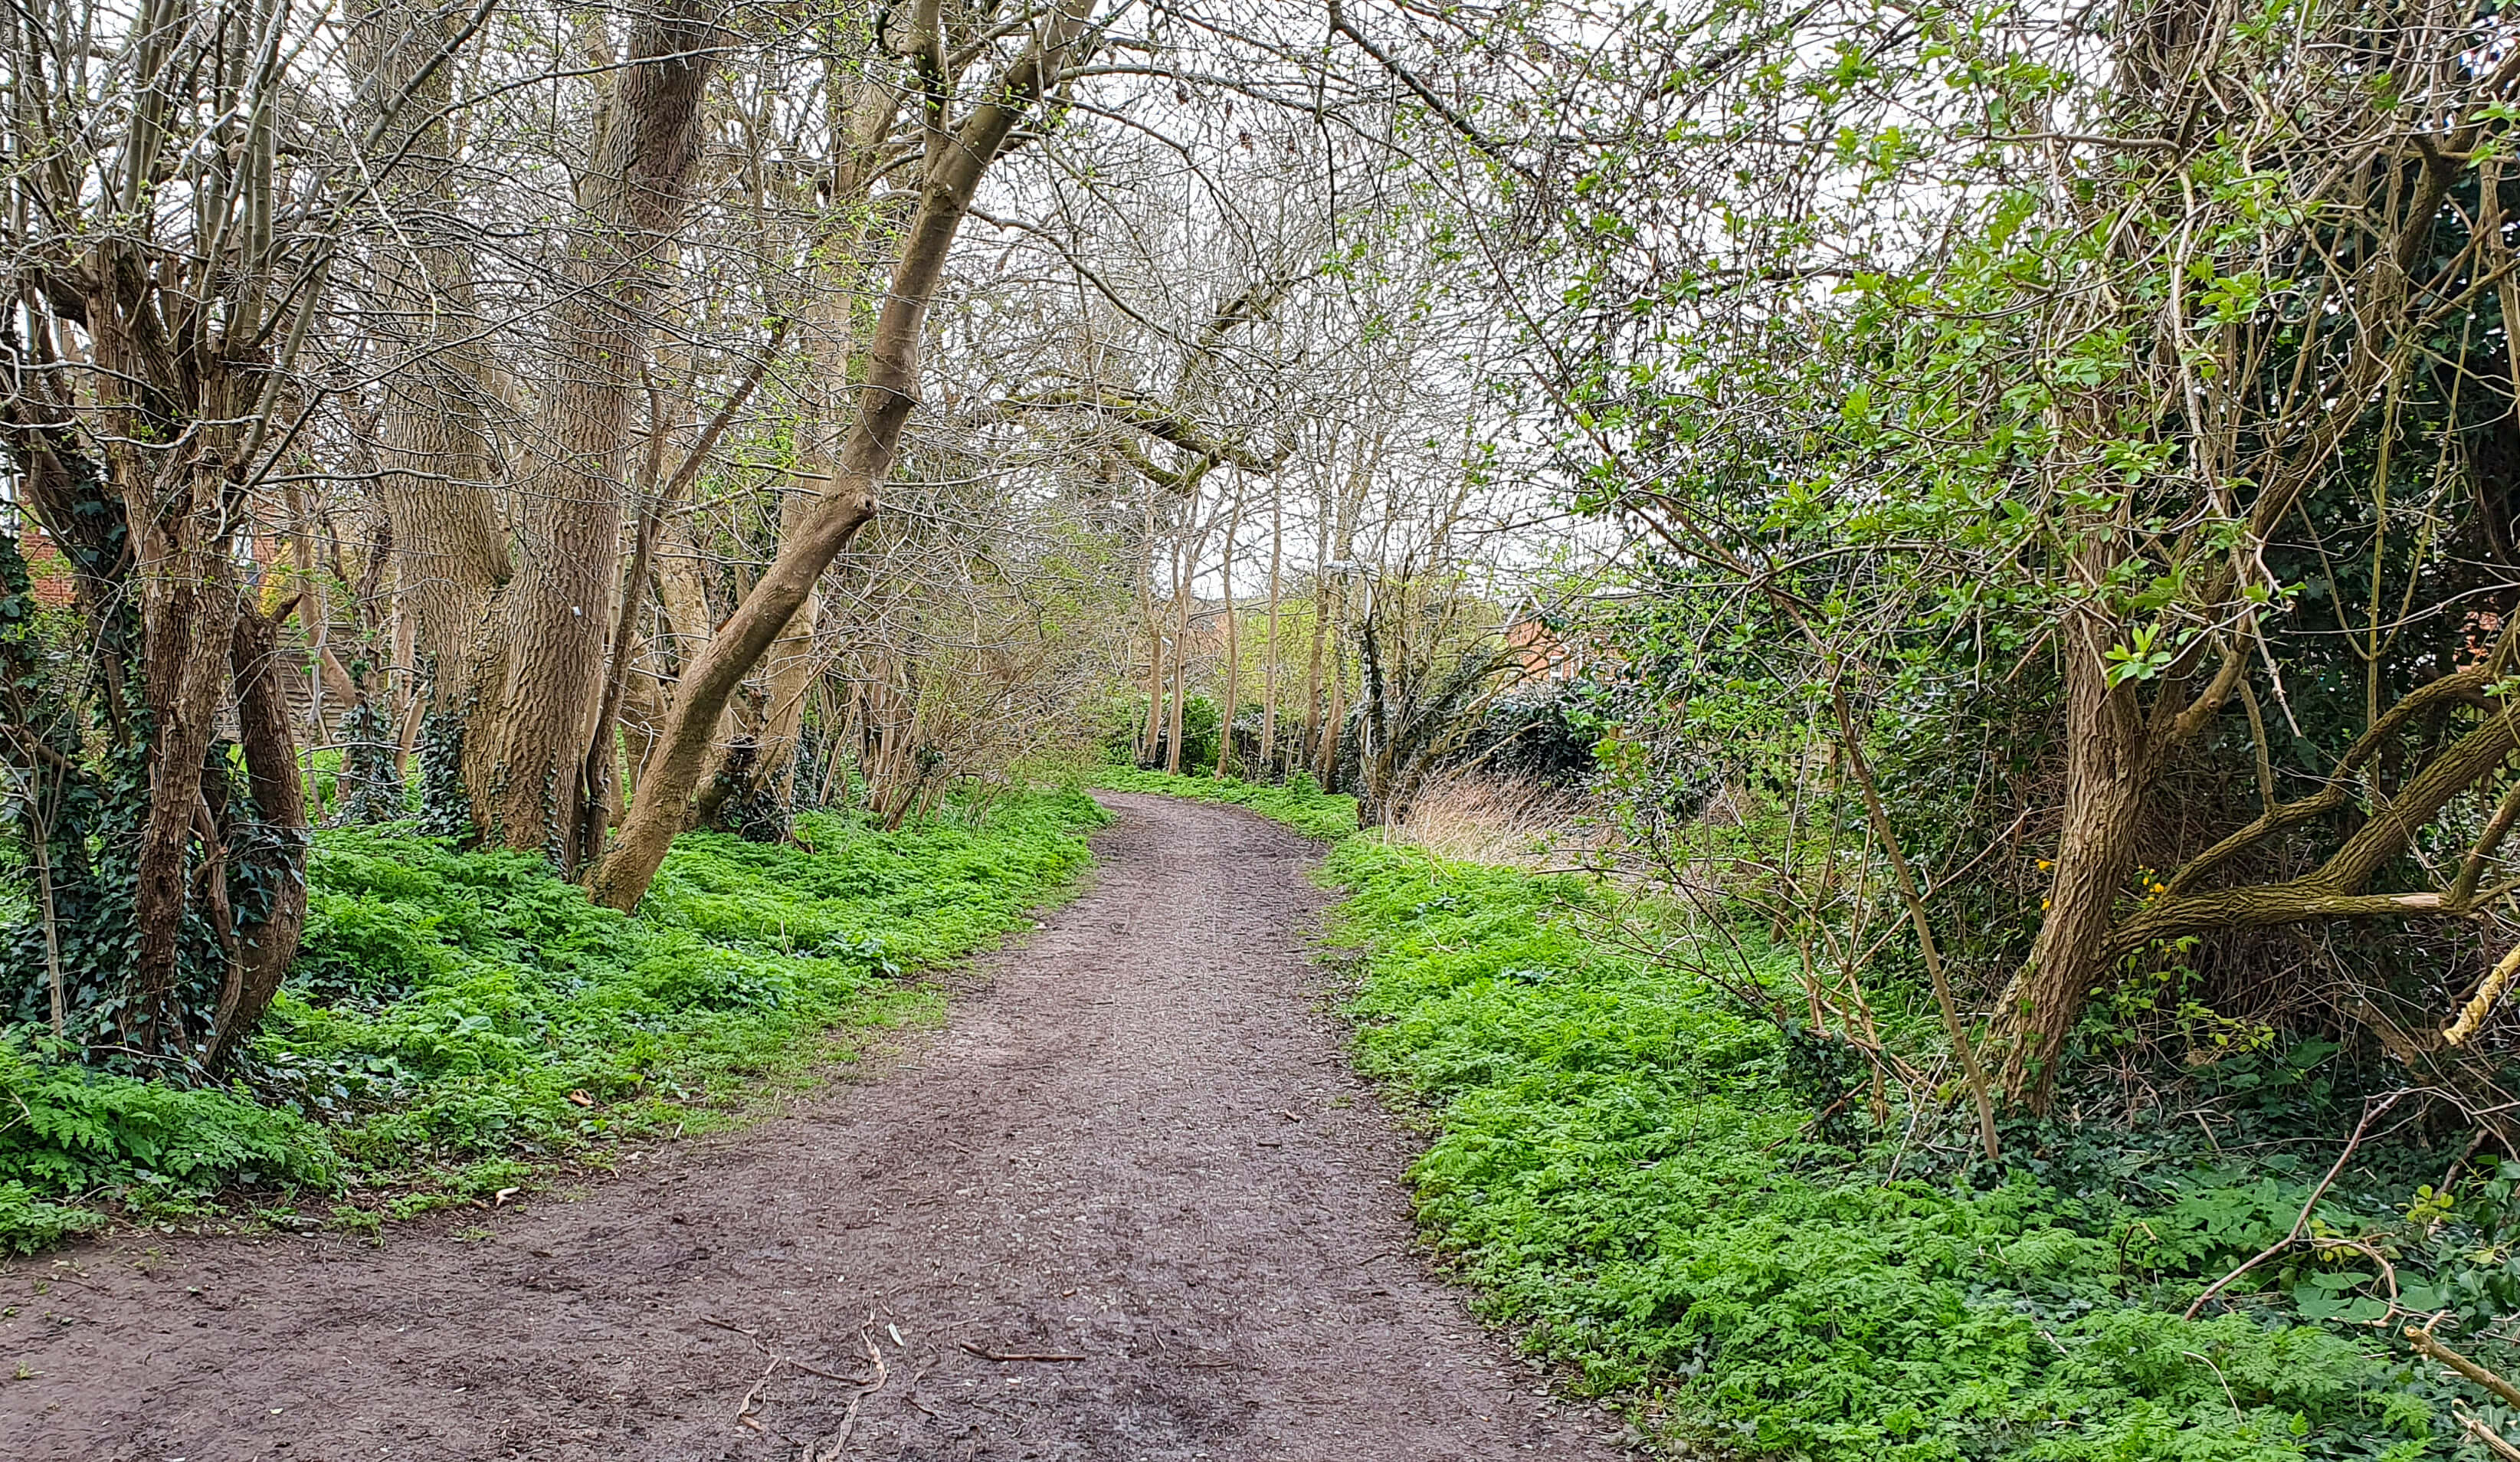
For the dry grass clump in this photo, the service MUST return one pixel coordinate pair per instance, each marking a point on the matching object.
(1494, 820)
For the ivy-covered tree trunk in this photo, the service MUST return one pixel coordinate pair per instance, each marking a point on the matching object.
(176, 501)
(267, 853)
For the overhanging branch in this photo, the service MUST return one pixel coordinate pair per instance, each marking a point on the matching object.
(1149, 419)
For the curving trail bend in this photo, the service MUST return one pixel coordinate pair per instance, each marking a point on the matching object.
(1139, 1145)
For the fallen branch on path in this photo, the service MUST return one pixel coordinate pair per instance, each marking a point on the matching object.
(986, 1355)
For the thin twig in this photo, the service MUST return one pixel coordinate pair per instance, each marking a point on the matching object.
(2491, 1439)
(2301, 1221)
(985, 1354)
(1908, 895)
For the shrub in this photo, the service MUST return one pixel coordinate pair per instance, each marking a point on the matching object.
(76, 1133)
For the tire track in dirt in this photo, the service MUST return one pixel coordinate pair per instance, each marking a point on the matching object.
(1140, 1145)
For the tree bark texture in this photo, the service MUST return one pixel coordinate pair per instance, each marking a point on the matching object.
(434, 447)
(188, 608)
(553, 620)
(178, 504)
(2109, 760)
(274, 846)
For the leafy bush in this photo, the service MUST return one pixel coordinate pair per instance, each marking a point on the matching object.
(1543, 734)
(1621, 1164)
(1297, 804)
(452, 1010)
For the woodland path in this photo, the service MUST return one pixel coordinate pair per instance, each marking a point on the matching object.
(1137, 1142)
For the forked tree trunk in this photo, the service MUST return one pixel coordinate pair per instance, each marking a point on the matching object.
(954, 169)
(554, 618)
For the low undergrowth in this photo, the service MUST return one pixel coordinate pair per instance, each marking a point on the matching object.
(1298, 804)
(1626, 1161)
(1647, 1178)
(457, 1018)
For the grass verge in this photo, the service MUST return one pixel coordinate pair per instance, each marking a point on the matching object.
(457, 1020)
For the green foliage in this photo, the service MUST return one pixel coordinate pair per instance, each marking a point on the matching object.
(1297, 804)
(455, 1016)
(1625, 1164)
(369, 784)
(29, 1223)
(1119, 723)
(77, 1134)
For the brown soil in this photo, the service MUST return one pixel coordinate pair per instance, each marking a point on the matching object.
(1139, 1147)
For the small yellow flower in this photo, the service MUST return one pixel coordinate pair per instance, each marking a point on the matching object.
(2045, 863)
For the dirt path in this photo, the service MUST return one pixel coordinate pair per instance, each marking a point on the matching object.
(1139, 1146)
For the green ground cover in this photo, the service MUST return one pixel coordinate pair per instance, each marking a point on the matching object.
(1627, 1163)
(458, 1019)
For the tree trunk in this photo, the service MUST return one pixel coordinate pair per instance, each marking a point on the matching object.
(772, 727)
(1269, 675)
(2109, 773)
(788, 667)
(1334, 688)
(767, 732)
(1183, 577)
(556, 615)
(689, 624)
(181, 540)
(1317, 729)
(953, 173)
(432, 436)
(314, 615)
(1233, 640)
(1151, 733)
(1340, 546)
(275, 844)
